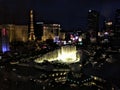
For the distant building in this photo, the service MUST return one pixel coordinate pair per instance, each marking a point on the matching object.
(109, 27)
(93, 24)
(16, 32)
(62, 35)
(117, 23)
(93, 21)
(38, 30)
(50, 31)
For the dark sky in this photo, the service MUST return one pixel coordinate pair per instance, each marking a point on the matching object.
(69, 13)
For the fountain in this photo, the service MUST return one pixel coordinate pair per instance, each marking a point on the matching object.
(66, 54)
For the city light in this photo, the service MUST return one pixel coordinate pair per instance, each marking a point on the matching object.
(43, 55)
(66, 54)
(5, 44)
(109, 23)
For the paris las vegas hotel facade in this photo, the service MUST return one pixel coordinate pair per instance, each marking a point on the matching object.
(34, 31)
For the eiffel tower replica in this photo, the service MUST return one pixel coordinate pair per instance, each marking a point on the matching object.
(31, 34)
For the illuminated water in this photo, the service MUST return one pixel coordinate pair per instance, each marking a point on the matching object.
(66, 54)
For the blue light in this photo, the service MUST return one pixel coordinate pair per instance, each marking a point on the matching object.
(5, 48)
(80, 43)
(5, 42)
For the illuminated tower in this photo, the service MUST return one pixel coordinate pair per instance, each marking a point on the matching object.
(31, 34)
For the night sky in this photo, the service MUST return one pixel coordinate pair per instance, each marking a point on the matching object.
(69, 13)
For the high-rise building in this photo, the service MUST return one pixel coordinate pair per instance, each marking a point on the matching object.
(117, 23)
(38, 30)
(51, 31)
(93, 22)
(16, 32)
(116, 39)
(31, 34)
